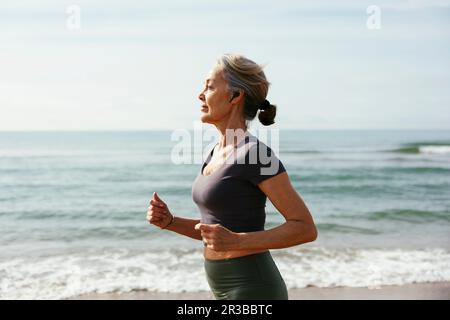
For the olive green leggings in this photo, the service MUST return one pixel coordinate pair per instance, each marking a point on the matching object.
(245, 278)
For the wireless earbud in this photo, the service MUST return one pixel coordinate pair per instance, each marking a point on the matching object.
(235, 94)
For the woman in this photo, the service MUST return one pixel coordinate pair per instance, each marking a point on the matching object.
(231, 190)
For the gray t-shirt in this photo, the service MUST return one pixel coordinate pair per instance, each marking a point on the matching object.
(230, 195)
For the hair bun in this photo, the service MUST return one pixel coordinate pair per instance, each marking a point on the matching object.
(267, 115)
(264, 105)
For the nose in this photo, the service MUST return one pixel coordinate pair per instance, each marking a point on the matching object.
(201, 96)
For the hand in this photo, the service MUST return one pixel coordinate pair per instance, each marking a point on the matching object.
(158, 213)
(217, 237)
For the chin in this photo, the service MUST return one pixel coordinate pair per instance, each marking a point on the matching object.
(205, 118)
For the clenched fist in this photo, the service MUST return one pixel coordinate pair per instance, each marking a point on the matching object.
(158, 214)
(217, 237)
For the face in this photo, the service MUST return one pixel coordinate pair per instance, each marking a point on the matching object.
(215, 97)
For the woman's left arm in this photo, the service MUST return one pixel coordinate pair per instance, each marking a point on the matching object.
(299, 226)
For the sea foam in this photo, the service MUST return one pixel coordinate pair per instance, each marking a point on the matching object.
(119, 271)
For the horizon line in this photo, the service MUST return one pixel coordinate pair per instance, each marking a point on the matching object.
(190, 129)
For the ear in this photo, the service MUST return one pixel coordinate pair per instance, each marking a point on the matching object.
(236, 94)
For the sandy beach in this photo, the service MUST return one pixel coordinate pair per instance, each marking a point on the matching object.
(420, 291)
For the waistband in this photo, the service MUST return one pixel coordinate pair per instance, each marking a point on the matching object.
(238, 259)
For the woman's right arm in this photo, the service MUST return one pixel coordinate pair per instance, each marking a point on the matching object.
(185, 227)
(159, 215)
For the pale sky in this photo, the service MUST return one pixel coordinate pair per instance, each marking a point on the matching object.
(139, 65)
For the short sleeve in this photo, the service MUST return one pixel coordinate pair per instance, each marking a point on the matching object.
(262, 163)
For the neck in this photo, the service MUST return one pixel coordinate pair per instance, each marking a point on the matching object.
(231, 136)
(232, 128)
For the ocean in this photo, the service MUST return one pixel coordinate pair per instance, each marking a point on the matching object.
(73, 211)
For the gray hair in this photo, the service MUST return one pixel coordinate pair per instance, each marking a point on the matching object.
(244, 74)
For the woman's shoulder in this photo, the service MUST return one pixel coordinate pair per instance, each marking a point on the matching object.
(254, 148)
(259, 160)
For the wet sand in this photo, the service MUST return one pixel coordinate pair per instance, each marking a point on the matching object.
(420, 291)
